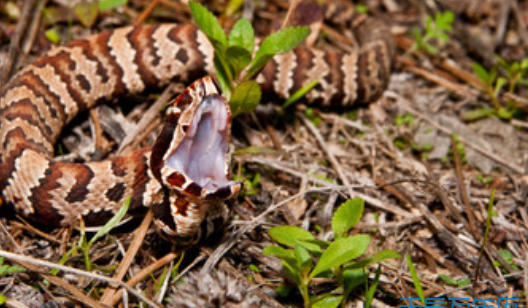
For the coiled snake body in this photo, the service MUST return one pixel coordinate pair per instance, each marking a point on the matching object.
(184, 178)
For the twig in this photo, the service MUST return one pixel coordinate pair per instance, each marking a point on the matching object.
(146, 12)
(21, 258)
(144, 273)
(463, 192)
(458, 89)
(333, 161)
(129, 256)
(98, 132)
(8, 67)
(292, 7)
(150, 116)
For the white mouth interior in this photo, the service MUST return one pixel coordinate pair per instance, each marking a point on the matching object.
(201, 155)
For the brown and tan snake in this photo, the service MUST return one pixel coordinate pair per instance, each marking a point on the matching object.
(184, 177)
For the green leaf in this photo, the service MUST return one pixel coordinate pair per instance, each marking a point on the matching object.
(341, 251)
(245, 98)
(289, 235)
(242, 35)
(378, 257)
(256, 150)
(238, 58)
(304, 260)
(2, 299)
(277, 43)
(15, 269)
(431, 49)
(111, 223)
(481, 72)
(347, 216)
(105, 5)
(478, 114)
(292, 270)
(3, 269)
(443, 37)
(416, 280)
(277, 251)
(232, 7)
(309, 244)
(505, 114)
(52, 36)
(354, 278)
(454, 282)
(329, 301)
(223, 74)
(300, 93)
(369, 296)
(87, 12)
(524, 64)
(209, 25)
(501, 82)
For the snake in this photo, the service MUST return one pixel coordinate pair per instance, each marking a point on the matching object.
(184, 176)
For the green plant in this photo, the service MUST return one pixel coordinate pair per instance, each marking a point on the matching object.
(415, 278)
(436, 30)
(250, 182)
(236, 68)
(307, 257)
(460, 149)
(6, 269)
(84, 246)
(490, 213)
(454, 282)
(484, 180)
(515, 72)
(404, 119)
(508, 257)
(492, 87)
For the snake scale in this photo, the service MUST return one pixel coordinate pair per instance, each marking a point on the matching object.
(184, 178)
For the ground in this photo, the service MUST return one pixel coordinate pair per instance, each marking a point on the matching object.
(426, 158)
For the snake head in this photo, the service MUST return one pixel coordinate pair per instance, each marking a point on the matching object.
(191, 155)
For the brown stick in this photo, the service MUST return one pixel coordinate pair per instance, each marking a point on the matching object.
(144, 273)
(8, 67)
(146, 12)
(129, 256)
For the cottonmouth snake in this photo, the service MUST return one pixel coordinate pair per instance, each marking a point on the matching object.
(184, 178)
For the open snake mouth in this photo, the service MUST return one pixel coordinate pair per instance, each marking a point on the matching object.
(202, 154)
(191, 154)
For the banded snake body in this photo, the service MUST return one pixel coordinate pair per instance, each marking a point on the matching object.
(184, 177)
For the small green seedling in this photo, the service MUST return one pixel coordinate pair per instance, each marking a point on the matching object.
(250, 182)
(84, 246)
(6, 269)
(306, 257)
(236, 67)
(415, 278)
(435, 31)
(454, 282)
(493, 84)
(508, 257)
(515, 72)
(404, 119)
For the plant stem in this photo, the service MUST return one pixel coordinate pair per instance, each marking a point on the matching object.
(304, 290)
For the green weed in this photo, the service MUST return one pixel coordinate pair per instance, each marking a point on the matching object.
(436, 31)
(307, 257)
(236, 68)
